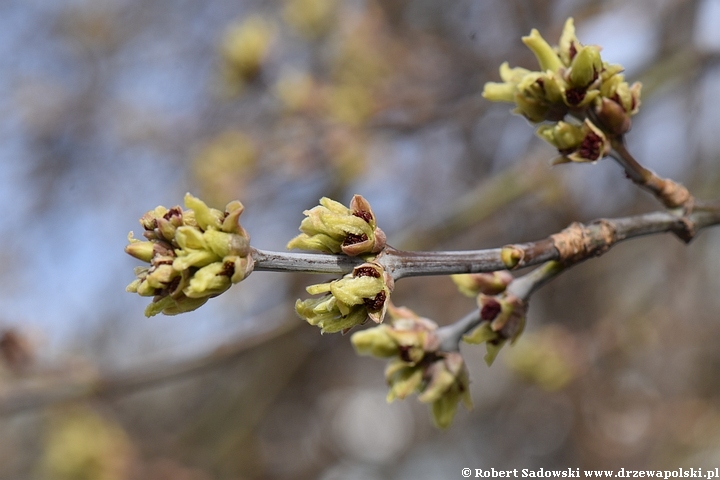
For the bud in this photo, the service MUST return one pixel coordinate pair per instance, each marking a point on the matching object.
(223, 244)
(403, 379)
(208, 281)
(193, 254)
(149, 220)
(472, 284)
(568, 45)
(410, 337)
(503, 319)
(161, 275)
(585, 67)
(540, 97)
(204, 216)
(417, 365)
(612, 116)
(546, 56)
(141, 250)
(615, 88)
(376, 342)
(448, 384)
(350, 301)
(584, 143)
(332, 228)
(174, 305)
(499, 92)
(505, 92)
(564, 136)
(511, 256)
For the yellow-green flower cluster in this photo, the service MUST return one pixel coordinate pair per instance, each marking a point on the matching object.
(417, 365)
(333, 228)
(502, 319)
(574, 81)
(349, 301)
(194, 254)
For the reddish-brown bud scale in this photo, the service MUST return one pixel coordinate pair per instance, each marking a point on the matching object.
(375, 303)
(490, 310)
(590, 147)
(575, 95)
(572, 50)
(352, 239)
(404, 353)
(366, 272)
(173, 212)
(367, 216)
(172, 286)
(228, 269)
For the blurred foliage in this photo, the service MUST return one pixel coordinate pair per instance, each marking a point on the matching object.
(82, 445)
(225, 164)
(548, 357)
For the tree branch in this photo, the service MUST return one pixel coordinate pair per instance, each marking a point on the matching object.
(578, 240)
(669, 192)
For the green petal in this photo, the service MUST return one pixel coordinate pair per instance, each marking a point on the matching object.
(205, 216)
(546, 56)
(375, 341)
(481, 334)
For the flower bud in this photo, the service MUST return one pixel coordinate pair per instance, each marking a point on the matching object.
(503, 318)
(505, 92)
(568, 45)
(376, 342)
(546, 56)
(161, 275)
(472, 284)
(193, 254)
(613, 117)
(333, 228)
(404, 379)
(562, 135)
(223, 244)
(141, 250)
(448, 384)
(208, 281)
(511, 256)
(540, 97)
(585, 67)
(349, 301)
(499, 92)
(417, 365)
(205, 217)
(174, 305)
(149, 220)
(584, 143)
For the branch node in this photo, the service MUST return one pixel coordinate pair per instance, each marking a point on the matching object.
(578, 242)
(685, 231)
(673, 194)
(512, 256)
